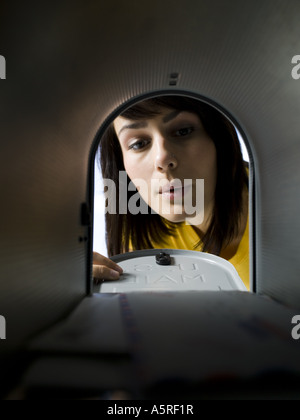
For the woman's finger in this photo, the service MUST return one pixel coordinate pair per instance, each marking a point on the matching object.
(99, 259)
(103, 272)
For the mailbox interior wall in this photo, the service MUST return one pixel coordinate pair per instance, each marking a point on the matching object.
(69, 66)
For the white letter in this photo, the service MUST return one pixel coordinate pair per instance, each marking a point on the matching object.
(163, 207)
(296, 69)
(154, 410)
(122, 192)
(178, 201)
(110, 196)
(198, 209)
(296, 330)
(2, 67)
(132, 204)
(189, 409)
(2, 328)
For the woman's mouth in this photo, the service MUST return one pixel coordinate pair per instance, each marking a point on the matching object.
(174, 193)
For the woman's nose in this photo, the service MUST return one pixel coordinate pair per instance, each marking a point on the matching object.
(165, 160)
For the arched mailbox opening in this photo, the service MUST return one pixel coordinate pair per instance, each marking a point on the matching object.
(137, 145)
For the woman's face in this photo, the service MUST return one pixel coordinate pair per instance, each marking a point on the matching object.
(164, 156)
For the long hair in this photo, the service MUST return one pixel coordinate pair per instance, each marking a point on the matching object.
(140, 230)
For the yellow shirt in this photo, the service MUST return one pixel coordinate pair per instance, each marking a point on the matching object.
(187, 238)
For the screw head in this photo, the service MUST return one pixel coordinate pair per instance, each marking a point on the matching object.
(163, 258)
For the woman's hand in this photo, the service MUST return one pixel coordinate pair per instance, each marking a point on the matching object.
(105, 269)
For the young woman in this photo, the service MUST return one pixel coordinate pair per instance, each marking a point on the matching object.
(171, 139)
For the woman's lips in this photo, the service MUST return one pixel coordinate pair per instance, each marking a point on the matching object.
(169, 187)
(174, 193)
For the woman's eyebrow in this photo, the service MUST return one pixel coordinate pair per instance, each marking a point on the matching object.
(171, 116)
(141, 124)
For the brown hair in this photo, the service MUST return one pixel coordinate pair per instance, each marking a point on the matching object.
(142, 229)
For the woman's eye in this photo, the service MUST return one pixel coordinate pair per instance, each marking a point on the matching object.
(138, 145)
(184, 131)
